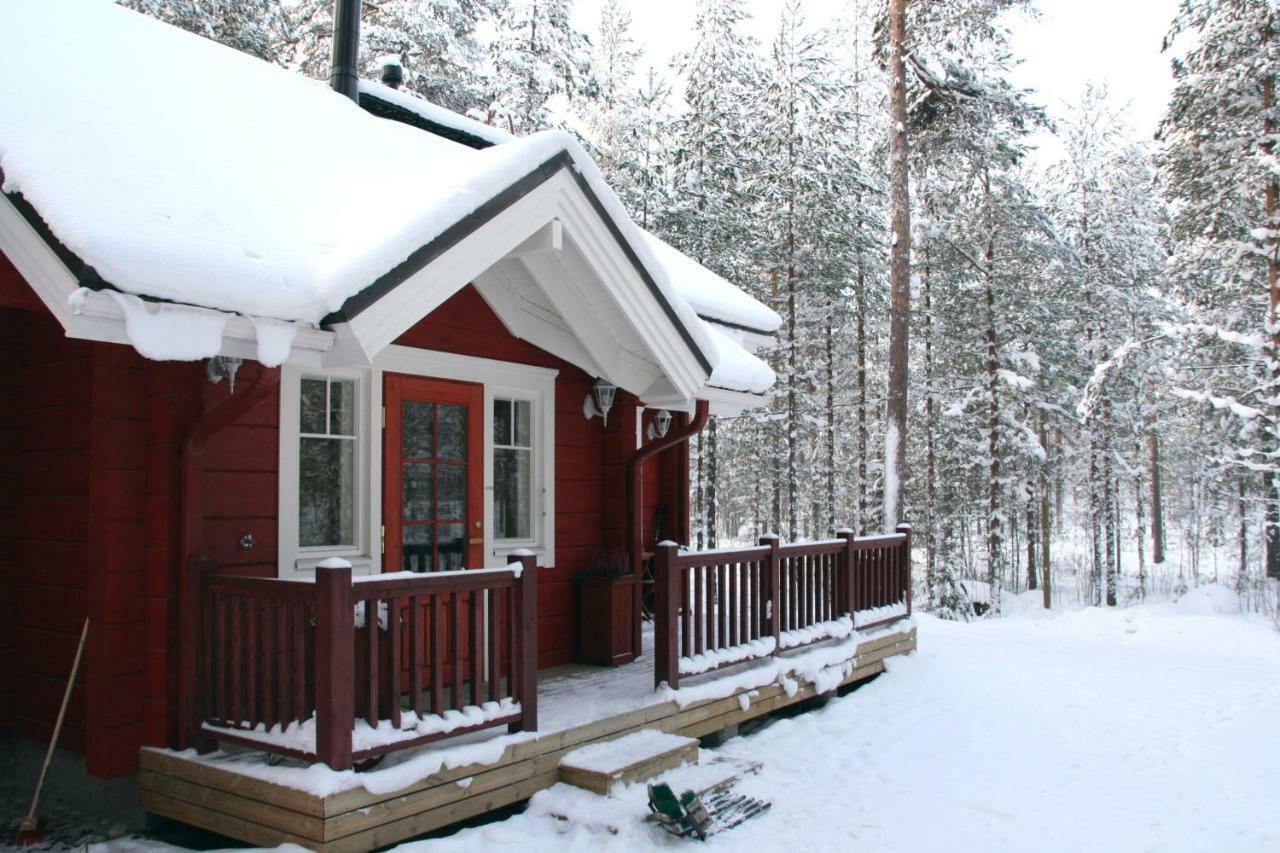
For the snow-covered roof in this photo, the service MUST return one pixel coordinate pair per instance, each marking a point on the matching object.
(713, 297)
(184, 171)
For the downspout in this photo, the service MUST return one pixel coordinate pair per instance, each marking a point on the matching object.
(635, 523)
(344, 73)
(191, 495)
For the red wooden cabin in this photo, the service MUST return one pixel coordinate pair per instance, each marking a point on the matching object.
(218, 421)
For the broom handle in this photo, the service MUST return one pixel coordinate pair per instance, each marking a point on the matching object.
(62, 712)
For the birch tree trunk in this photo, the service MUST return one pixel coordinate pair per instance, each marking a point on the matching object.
(1272, 203)
(895, 442)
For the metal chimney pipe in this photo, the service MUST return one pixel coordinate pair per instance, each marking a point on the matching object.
(346, 48)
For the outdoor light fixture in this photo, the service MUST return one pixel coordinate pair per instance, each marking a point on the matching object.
(222, 367)
(600, 400)
(660, 424)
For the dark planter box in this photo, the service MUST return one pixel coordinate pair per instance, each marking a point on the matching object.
(607, 608)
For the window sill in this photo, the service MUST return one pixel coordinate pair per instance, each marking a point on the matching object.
(360, 564)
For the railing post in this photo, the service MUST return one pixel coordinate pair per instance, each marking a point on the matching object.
(335, 664)
(526, 617)
(666, 609)
(773, 580)
(846, 572)
(905, 530)
(193, 701)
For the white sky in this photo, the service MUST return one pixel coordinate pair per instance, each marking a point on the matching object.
(1116, 42)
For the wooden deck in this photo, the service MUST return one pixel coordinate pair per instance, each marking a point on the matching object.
(258, 812)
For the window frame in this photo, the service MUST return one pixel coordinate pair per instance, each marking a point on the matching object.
(500, 380)
(295, 558)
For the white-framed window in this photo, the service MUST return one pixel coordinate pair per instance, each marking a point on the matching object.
(330, 498)
(513, 457)
(324, 468)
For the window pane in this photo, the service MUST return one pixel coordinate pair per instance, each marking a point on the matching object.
(312, 419)
(342, 407)
(512, 487)
(419, 496)
(453, 432)
(452, 546)
(451, 495)
(417, 430)
(326, 492)
(501, 422)
(417, 547)
(523, 428)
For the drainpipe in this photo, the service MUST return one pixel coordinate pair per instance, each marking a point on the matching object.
(190, 542)
(346, 48)
(635, 523)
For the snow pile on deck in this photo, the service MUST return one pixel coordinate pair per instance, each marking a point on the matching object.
(1150, 728)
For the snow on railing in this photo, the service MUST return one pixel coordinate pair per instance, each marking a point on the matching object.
(300, 670)
(718, 608)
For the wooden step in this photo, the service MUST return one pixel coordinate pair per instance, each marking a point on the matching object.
(635, 757)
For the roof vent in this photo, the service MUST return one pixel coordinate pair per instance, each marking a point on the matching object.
(392, 75)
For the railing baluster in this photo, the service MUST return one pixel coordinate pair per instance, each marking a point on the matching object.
(477, 647)
(394, 635)
(513, 639)
(371, 661)
(495, 644)
(251, 658)
(298, 616)
(699, 610)
(437, 652)
(281, 662)
(416, 640)
(268, 663)
(237, 661)
(455, 647)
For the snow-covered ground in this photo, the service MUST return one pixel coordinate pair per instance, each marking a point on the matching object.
(1145, 728)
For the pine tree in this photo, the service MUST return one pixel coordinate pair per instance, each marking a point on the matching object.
(538, 55)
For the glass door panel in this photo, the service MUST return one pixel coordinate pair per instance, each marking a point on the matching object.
(432, 500)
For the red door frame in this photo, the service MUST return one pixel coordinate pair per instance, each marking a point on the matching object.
(397, 388)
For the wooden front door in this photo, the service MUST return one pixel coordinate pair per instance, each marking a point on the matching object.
(433, 474)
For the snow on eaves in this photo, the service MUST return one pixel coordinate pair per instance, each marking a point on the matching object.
(711, 296)
(223, 182)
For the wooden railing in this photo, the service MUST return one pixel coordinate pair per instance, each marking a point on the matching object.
(343, 671)
(717, 608)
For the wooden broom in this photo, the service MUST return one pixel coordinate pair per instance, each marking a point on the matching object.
(29, 831)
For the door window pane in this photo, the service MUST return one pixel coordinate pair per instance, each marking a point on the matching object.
(451, 549)
(417, 548)
(419, 491)
(417, 430)
(453, 432)
(451, 492)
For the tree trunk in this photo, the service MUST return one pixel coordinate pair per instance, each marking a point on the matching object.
(899, 269)
(830, 428)
(1045, 528)
(1272, 203)
(1157, 498)
(995, 543)
(710, 487)
(1108, 505)
(931, 461)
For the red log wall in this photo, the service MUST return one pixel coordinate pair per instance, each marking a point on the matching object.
(90, 444)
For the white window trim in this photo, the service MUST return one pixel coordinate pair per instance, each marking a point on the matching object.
(500, 379)
(293, 559)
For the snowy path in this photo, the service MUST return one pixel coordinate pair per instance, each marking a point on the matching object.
(1152, 728)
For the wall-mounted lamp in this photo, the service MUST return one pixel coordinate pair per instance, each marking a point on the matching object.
(600, 400)
(222, 367)
(660, 424)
